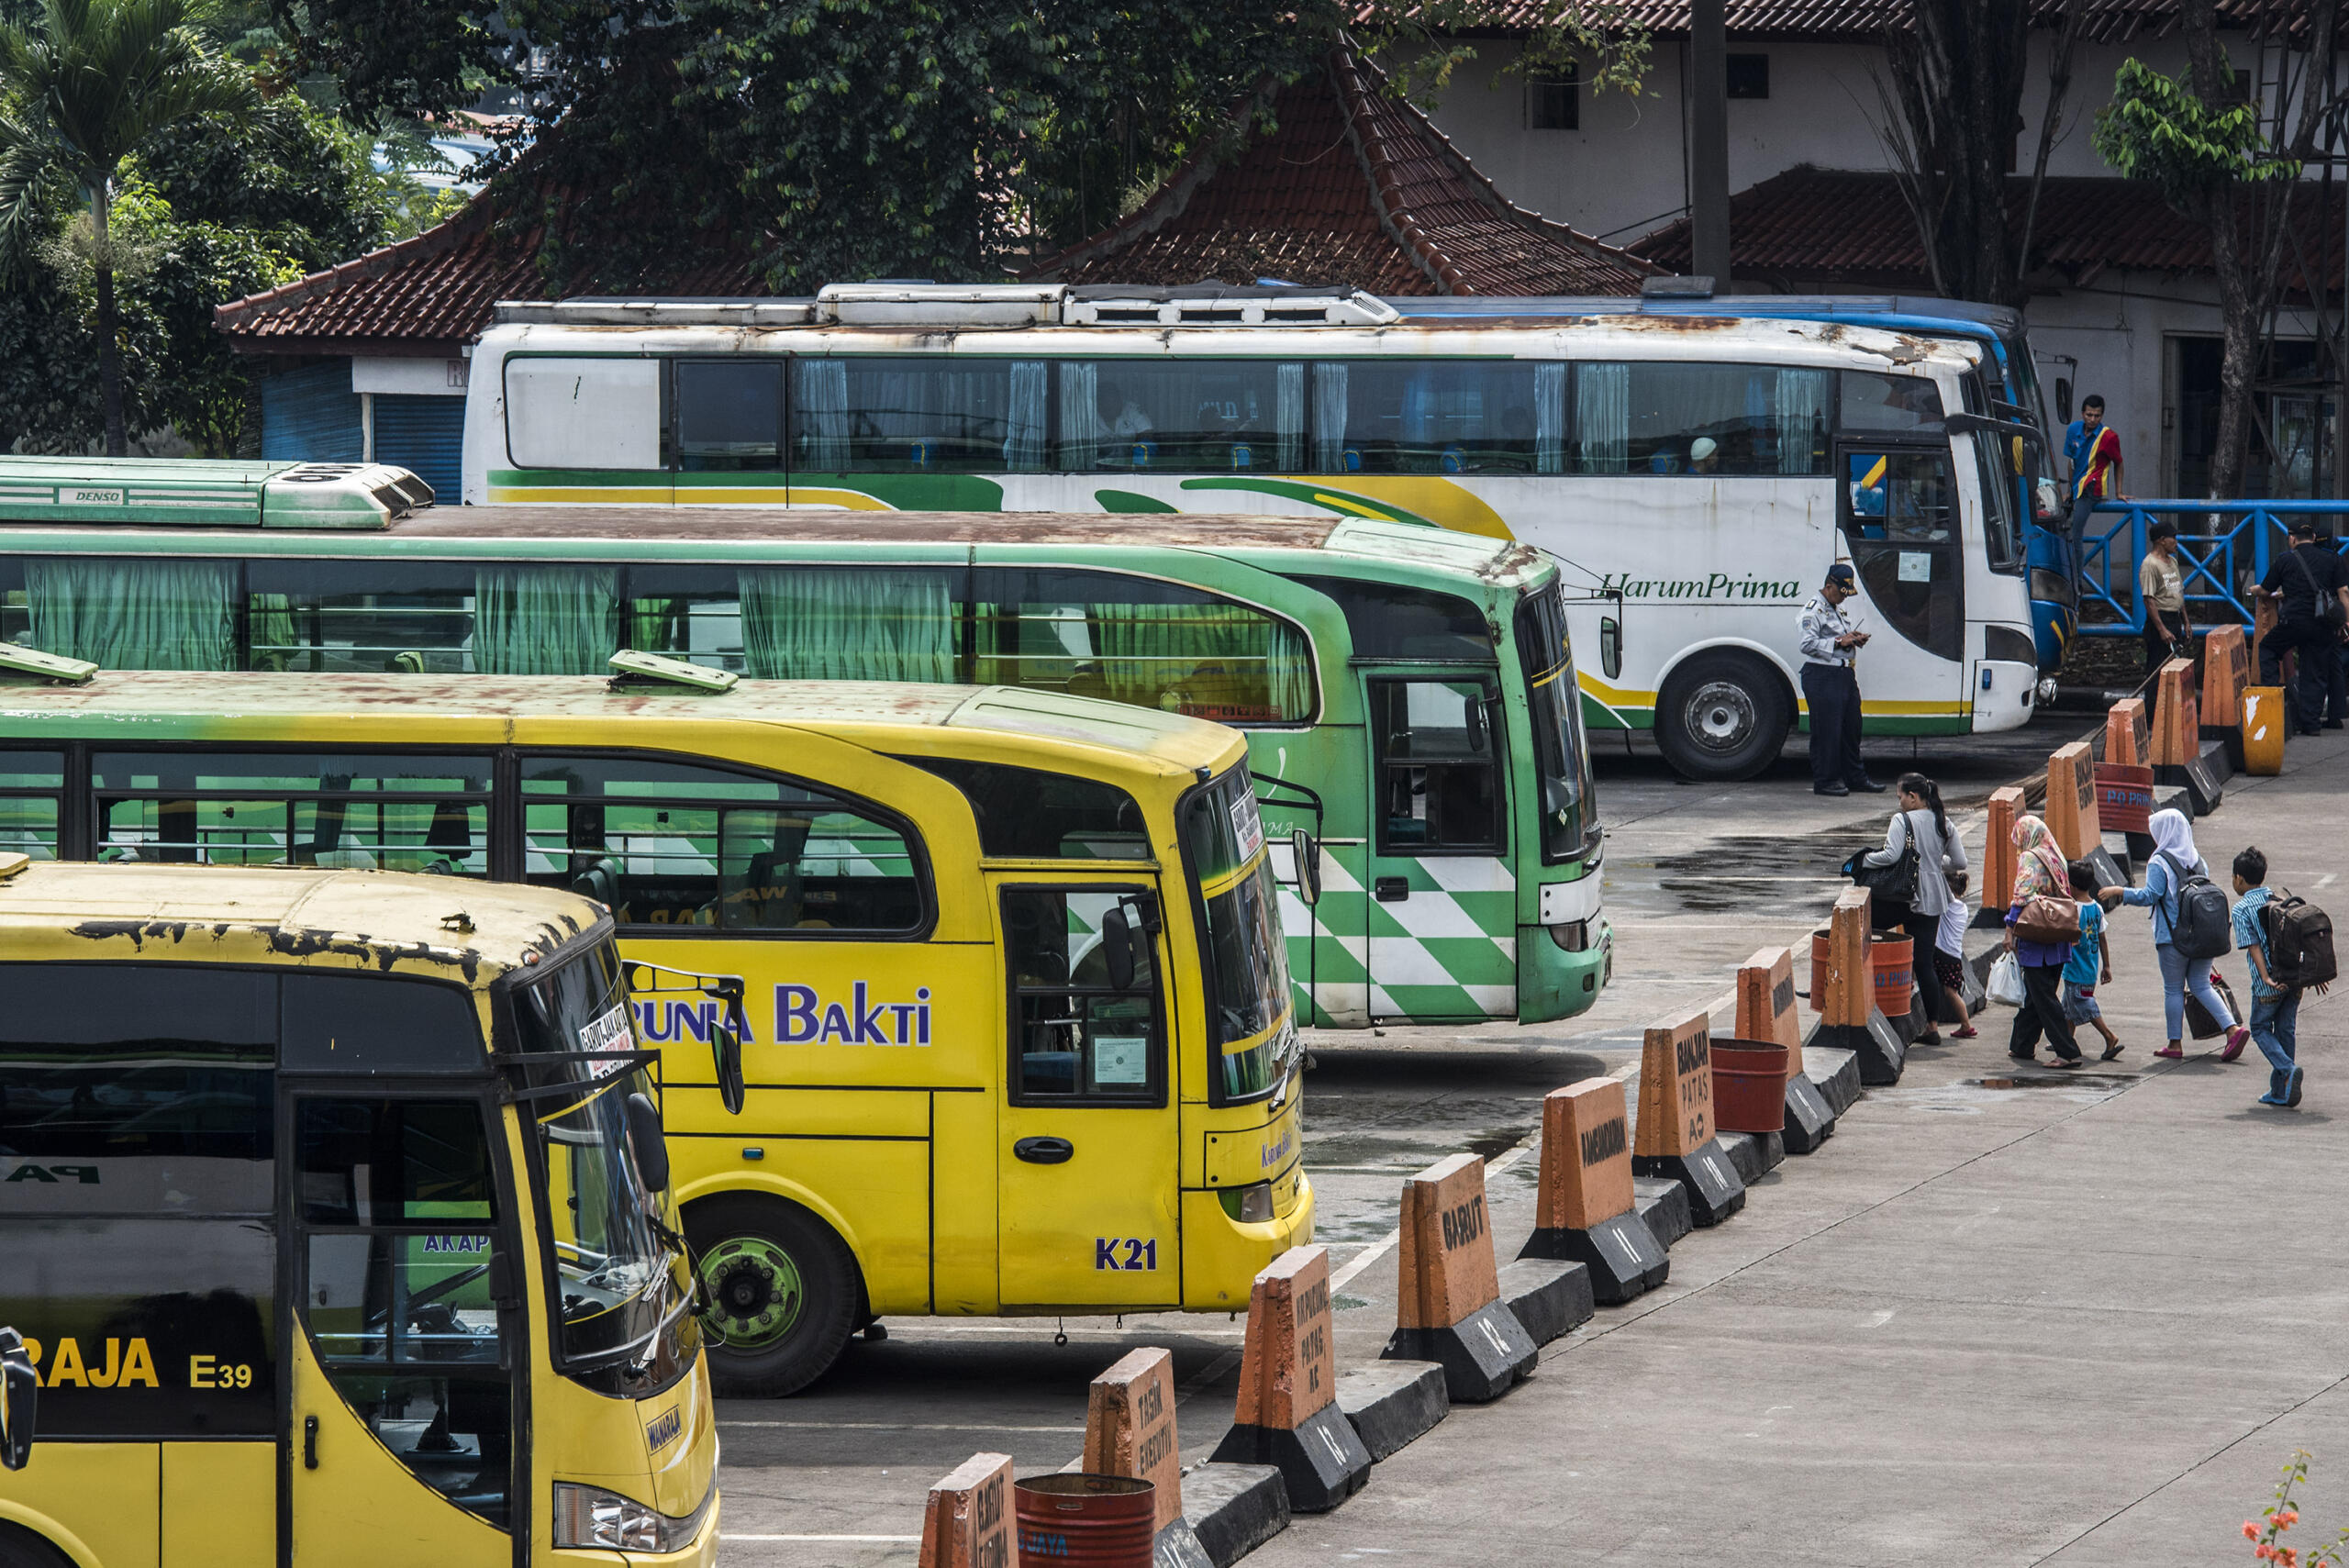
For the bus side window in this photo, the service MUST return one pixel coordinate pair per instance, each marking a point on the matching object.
(398, 1229)
(676, 845)
(347, 812)
(1076, 1036)
(138, 1152)
(32, 792)
(729, 414)
(917, 415)
(566, 412)
(1438, 778)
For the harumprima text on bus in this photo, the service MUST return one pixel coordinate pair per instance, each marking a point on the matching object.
(1717, 586)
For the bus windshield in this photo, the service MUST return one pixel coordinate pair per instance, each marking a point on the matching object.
(621, 1270)
(1561, 760)
(1252, 1022)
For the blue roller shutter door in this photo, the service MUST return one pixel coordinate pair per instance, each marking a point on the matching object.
(311, 415)
(426, 436)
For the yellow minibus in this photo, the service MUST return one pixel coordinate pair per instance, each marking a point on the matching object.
(336, 1230)
(1011, 1025)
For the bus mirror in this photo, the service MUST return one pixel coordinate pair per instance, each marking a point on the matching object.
(19, 1394)
(1610, 646)
(646, 1142)
(725, 1047)
(1118, 948)
(1306, 851)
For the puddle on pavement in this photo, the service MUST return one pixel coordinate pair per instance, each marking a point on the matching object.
(2105, 1081)
(1695, 880)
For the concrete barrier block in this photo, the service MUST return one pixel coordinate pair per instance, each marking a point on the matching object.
(1232, 1510)
(1834, 1072)
(1286, 1415)
(1881, 1054)
(1809, 1122)
(1550, 1296)
(1448, 1306)
(1624, 1257)
(1179, 1546)
(1484, 1355)
(1753, 1154)
(1392, 1403)
(1662, 1203)
(1714, 1188)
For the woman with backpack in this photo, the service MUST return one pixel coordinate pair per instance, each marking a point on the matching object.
(2042, 889)
(2192, 926)
(1921, 825)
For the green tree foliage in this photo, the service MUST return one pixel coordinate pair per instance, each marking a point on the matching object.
(88, 88)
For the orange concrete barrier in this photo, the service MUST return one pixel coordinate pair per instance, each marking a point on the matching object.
(1675, 1138)
(968, 1523)
(2178, 727)
(1848, 1017)
(1586, 1212)
(1999, 856)
(1765, 1011)
(2226, 675)
(2266, 719)
(1129, 1431)
(1448, 1308)
(2071, 801)
(2128, 738)
(1288, 1414)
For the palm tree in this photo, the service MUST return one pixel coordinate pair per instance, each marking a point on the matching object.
(84, 90)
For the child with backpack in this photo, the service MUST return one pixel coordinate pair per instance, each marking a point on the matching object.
(2091, 961)
(2290, 945)
(2192, 925)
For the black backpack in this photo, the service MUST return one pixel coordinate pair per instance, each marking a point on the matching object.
(2199, 924)
(2299, 941)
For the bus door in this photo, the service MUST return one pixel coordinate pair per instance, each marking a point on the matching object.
(409, 1328)
(1089, 1199)
(1442, 908)
(1904, 526)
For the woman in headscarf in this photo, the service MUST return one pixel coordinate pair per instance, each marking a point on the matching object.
(2175, 859)
(2039, 872)
(1923, 821)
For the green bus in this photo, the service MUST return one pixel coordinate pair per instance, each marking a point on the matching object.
(1408, 692)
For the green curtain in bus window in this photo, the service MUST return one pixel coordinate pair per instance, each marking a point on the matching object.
(820, 415)
(1802, 421)
(1023, 441)
(1220, 662)
(1603, 418)
(545, 620)
(136, 614)
(269, 622)
(849, 625)
(1550, 418)
(1329, 418)
(1081, 429)
(1288, 417)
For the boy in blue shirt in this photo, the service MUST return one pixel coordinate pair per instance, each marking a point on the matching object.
(2274, 1010)
(2090, 963)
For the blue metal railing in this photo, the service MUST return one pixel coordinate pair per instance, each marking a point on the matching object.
(2223, 549)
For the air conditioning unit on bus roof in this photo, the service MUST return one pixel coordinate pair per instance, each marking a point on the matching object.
(1224, 305)
(909, 303)
(618, 310)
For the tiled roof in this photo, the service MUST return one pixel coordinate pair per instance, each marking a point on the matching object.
(1354, 187)
(1809, 227)
(2105, 21)
(436, 290)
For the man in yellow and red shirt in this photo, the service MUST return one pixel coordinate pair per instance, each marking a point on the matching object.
(2094, 448)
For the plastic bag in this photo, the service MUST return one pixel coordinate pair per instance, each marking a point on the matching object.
(2005, 986)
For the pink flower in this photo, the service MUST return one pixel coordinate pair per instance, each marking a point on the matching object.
(2250, 1531)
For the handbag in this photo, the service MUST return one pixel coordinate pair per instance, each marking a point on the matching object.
(1894, 883)
(2005, 986)
(2198, 1020)
(2046, 919)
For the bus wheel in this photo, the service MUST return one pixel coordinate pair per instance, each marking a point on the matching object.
(783, 1293)
(1723, 716)
(20, 1547)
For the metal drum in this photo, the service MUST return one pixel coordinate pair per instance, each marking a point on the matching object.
(1085, 1521)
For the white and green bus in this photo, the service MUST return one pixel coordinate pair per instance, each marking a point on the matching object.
(1405, 691)
(1695, 475)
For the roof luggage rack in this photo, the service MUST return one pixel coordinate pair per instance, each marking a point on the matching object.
(1224, 305)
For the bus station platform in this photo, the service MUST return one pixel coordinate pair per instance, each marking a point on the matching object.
(2003, 1316)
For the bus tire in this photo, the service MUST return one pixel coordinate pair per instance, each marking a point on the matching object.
(1723, 716)
(784, 1289)
(20, 1547)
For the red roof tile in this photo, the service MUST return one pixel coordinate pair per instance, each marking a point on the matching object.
(2106, 21)
(1811, 227)
(437, 290)
(1353, 187)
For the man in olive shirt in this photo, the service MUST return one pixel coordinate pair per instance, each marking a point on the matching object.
(2311, 588)
(2161, 589)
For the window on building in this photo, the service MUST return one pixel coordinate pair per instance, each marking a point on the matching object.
(1553, 102)
(1749, 75)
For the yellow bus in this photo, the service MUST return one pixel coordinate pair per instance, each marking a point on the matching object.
(334, 1216)
(1017, 1030)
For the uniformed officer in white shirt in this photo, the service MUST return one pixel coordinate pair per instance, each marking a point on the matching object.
(1830, 686)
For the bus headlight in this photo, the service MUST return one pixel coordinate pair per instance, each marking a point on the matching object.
(588, 1517)
(2053, 588)
(1249, 1205)
(1573, 936)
